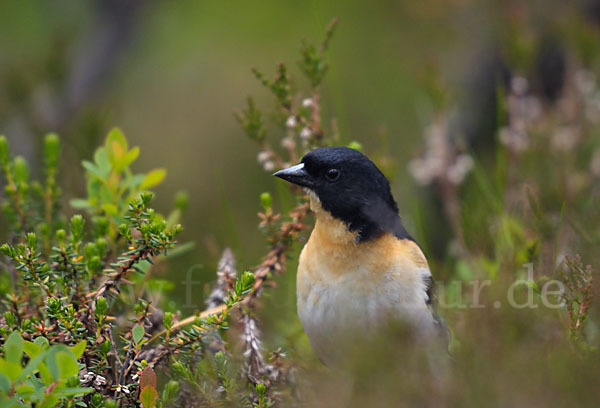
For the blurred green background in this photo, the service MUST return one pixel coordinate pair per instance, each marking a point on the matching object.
(170, 74)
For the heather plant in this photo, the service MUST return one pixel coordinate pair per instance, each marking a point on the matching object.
(61, 306)
(87, 341)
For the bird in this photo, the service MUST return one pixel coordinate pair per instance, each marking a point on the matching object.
(360, 269)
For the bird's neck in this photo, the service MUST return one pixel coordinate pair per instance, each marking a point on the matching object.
(372, 222)
(328, 228)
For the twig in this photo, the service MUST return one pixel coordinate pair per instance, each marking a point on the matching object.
(113, 345)
(273, 263)
(123, 372)
(125, 266)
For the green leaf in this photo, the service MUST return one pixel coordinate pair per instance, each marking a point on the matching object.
(116, 146)
(101, 160)
(116, 135)
(10, 369)
(80, 203)
(32, 366)
(182, 249)
(56, 366)
(50, 401)
(73, 391)
(244, 283)
(78, 349)
(92, 168)
(153, 178)
(110, 209)
(149, 397)
(45, 374)
(24, 389)
(129, 157)
(4, 383)
(13, 348)
(134, 181)
(67, 365)
(138, 333)
(42, 342)
(32, 349)
(170, 391)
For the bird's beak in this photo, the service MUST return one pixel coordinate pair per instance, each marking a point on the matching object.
(296, 175)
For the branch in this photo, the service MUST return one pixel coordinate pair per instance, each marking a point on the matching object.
(274, 263)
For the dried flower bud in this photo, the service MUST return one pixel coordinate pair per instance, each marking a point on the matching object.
(269, 166)
(519, 85)
(291, 122)
(308, 103)
(461, 167)
(565, 138)
(288, 143)
(420, 172)
(263, 156)
(514, 140)
(585, 81)
(305, 133)
(99, 381)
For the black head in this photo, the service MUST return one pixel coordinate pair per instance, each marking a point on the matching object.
(351, 188)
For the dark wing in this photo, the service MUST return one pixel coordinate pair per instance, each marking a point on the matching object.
(431, 301)
(429, 285)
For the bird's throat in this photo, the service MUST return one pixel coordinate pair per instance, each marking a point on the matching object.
(329, 229)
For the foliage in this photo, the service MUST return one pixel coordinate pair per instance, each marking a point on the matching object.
(48, 378)
(65, 299)
(66, 285)
(111, 184)
(578, 296)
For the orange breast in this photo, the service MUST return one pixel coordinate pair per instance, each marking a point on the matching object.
(332, 252)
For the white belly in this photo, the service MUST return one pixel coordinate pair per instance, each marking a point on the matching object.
(348, 308)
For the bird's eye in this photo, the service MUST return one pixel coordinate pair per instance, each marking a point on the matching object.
(332, 174)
